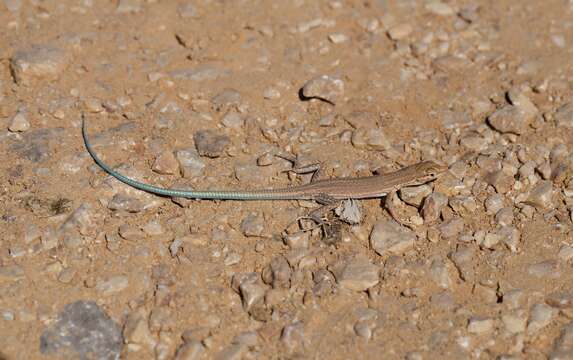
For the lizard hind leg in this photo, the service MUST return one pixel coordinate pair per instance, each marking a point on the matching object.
(328, 203)
(314, 168)
(318, 215)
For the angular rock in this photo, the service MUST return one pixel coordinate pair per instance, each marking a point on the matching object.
(83, 329)
(357, 274)
(191, 350)
(415, 195)
(400, 31)
(563, 347)
(510, 119)
(136, 330)
(210, 144)
(564, 115)
(545, 269)
(201, 73)
(166, 164)
(350, 211)
(112, 285)
(439, 8)
(463, 259)
(514, 323)
(388, 237)
(324, 87)
(277, 273)
(253, 225)
(541, 195)
(451, 227)
(19, 123)
(38, 63)
(480, 326)
(226, 98)
(541, 316)
(500, 180)
(433, 205)
(190, 163)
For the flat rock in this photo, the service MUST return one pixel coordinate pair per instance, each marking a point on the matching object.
(324, 87)
(190, 163)
(38, 63)
(564, 115)
(510, 119)
(356, 274)
(541, 195)
(84, 330)
(541, 316)
(433, 206)
(210, 144)
(201, 73)
(415, 195)
(388, 237)
(480, 325)
(19, 123)
(166, 163)
(400, 31)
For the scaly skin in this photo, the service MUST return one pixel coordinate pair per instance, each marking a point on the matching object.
(322, 190)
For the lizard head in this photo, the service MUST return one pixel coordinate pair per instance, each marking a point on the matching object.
(429, 171)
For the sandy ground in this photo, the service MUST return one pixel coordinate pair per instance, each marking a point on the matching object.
(203, 95)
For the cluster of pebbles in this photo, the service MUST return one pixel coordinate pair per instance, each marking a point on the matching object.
(477, 264)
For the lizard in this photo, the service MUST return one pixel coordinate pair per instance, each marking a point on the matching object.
(326, 192)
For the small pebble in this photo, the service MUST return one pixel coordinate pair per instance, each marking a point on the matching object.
(357, 274)
(564, 115)
(439, 8)
(480, 326)
(389, 237)
(452, 227)
(433, 205)
(210, 144)
(93, 105)
(19, 123)
(399, 32)
(253, 225)
(541, 316)
(81, 328)
(493, 204)
(166, 164)
(510, 119)
(190, 163)
(514, 323)
(338, 38)
(541, 195)
(38, 63)
(324, 87)
(415, 195)
(112, 285)
(233, 120)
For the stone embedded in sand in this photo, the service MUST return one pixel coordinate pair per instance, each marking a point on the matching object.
(433, 205)
(210, 144)
(510, 119)
(542, 195)
(324, 87)
(84, 331)
(19, 123)
(400, 31)
(564, 115)
(166, 163)
(388, 237)
(356, 274)
(480, 326)
(38, 63)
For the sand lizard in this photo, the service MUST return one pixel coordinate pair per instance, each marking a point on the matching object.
(325, 192)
